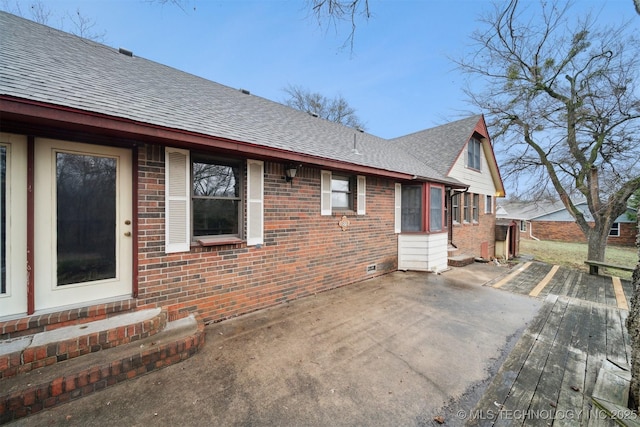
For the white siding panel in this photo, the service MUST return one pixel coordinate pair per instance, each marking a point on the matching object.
(422, 252)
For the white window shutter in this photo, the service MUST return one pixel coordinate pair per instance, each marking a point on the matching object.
(255, 204)
(325, 192)
(362, 195)
(177, 206)
(398, 209)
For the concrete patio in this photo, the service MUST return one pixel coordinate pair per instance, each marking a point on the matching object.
(478, 345)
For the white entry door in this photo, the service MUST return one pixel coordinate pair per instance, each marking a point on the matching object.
(83, 223)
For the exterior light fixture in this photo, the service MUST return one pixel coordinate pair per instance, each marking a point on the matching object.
(290, 172)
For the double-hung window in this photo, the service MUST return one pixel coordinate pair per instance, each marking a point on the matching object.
(455, 208)
(615, 230)
(467, 207)
(488, 204)
(476, 207)
(473, 154)
(216, 196)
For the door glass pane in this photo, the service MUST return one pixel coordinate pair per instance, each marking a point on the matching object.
(86, 218)
(3, 225)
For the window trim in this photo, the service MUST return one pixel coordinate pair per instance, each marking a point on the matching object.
(523, 226)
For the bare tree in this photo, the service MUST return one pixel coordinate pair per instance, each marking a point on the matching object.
(85, 27)
(333, 11)
(562, 98)
(39, 12)
(335, 110)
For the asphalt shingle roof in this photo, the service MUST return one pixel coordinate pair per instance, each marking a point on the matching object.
(440, 145)
(42, 64)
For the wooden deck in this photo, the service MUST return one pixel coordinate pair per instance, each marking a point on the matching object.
(549, 377)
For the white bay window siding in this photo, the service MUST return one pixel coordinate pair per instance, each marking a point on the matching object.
(342, 193)
(204, 200)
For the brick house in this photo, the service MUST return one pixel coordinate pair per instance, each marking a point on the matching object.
(130, 184)
(551, 221)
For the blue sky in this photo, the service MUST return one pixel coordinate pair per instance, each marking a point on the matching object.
(398, 76)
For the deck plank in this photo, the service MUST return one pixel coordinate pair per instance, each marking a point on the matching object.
(547, 392)
(522, 392)
(502, 383)
(616, 346)
(597, 349)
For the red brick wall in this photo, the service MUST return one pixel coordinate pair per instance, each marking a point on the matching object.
(303, 252)
(570, 232)
(469, 238)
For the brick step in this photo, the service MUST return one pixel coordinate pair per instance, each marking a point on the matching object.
(42, 388)
(460, 260)
(25, 353)
(29, 325)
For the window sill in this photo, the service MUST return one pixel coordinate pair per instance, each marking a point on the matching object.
(345, 212)
(218, 241)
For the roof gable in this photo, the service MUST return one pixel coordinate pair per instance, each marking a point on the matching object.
(445, 145)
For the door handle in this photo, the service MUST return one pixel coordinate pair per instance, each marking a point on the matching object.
(127, 233)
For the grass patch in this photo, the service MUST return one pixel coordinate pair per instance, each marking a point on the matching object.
(573, 255)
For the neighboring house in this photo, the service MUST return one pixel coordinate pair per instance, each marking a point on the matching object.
(462, 150)
(126, 182)
(552, 221)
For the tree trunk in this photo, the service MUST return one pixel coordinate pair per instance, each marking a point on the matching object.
(597, 243)
(633, 327)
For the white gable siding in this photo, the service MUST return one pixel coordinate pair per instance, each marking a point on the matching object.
(480, 182)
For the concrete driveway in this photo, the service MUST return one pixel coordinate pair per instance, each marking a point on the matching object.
(395, 350)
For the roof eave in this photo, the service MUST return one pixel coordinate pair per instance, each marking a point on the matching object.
(20, 110)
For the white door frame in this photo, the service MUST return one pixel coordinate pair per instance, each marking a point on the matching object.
(47, 294)
(14, 300)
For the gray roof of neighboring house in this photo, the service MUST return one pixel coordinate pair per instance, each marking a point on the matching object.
(545, 211)
(527, 210)
(441, 144)
(42, 64)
